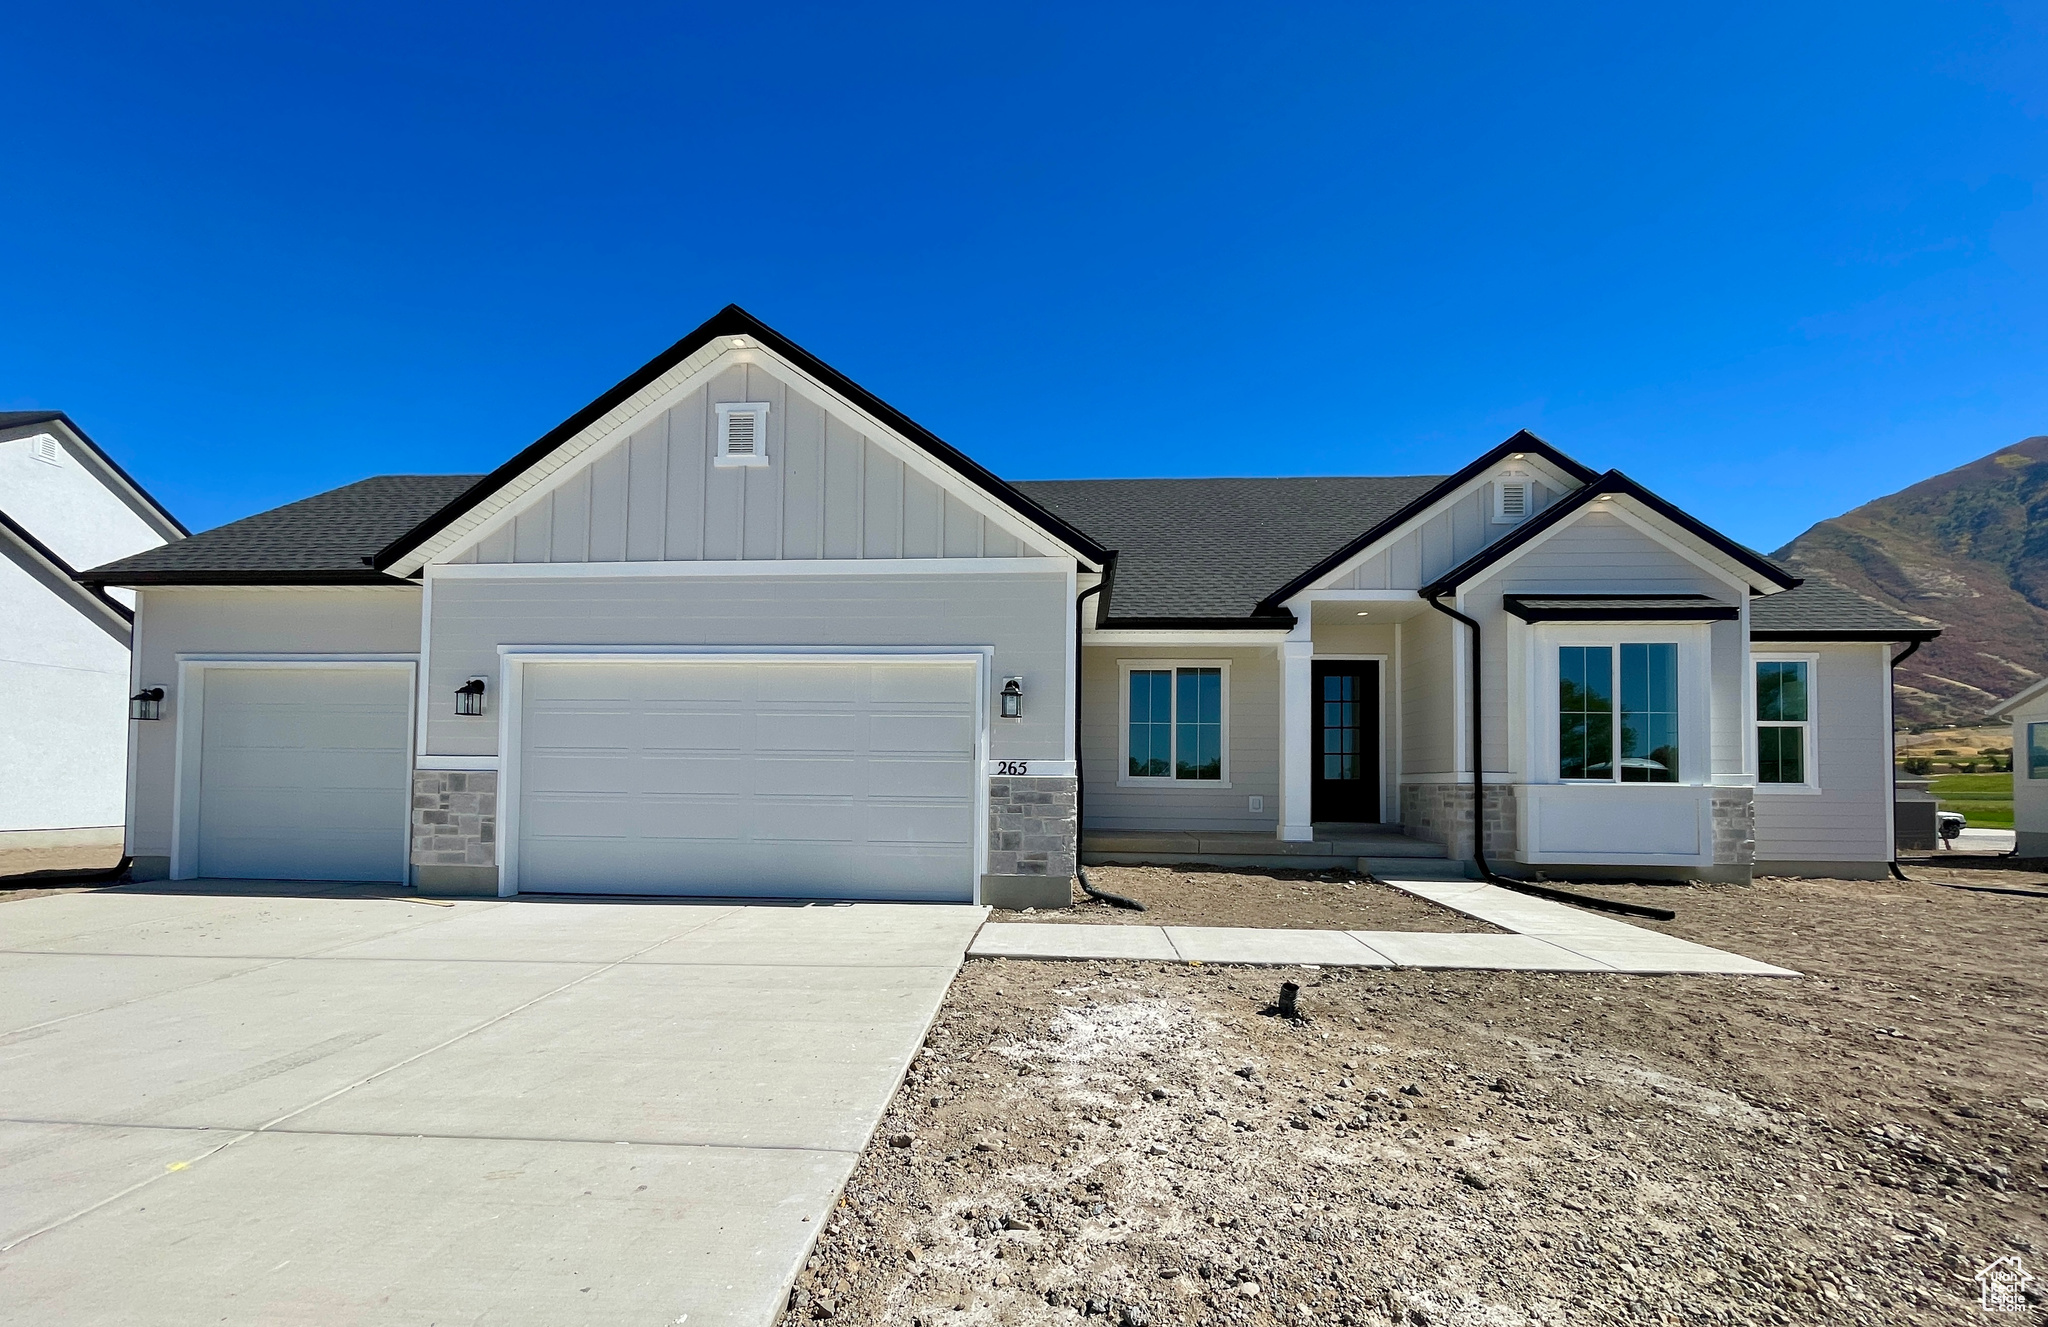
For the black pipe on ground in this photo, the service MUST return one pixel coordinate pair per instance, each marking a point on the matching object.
(1486, 872)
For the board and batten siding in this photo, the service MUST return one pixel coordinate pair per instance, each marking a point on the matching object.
(1430, 692)
(1846, 821)
(1254, 745)
(1598, 554)
(174, 621)
(1022, 615)
(827, 491)
(1436, 545)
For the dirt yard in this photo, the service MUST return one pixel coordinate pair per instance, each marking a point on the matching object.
(1141, 1144)
(1337, 900)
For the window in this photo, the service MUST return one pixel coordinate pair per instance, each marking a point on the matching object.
(742, 433)
(1783, 720)
(1643, 746)
(1174, 723)
(2037, 750)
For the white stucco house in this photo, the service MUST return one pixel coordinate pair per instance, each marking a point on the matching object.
(64, 504)
(2028, 714)
(738, 627)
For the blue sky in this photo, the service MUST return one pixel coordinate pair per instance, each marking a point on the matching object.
(1773, 261)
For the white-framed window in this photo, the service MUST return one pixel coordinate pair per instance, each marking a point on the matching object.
(1175, 722)
(742, 433)
(1785, 755)
(1618, 712)
(1514, 496)
(2037, 750)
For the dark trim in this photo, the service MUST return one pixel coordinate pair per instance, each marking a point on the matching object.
(33, 418)
(1589, 608)
(1873, 635)
(732, 320)
(1285, 622)
(141, 579)
(1613, 483)
(1523, 441)
(40, 561)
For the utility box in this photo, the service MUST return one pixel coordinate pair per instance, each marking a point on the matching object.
(1914, 827)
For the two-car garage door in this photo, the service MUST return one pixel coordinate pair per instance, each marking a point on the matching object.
(785, 779)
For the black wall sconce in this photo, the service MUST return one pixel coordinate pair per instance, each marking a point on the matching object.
(147, 704)
(469, 698)
(1012, 698)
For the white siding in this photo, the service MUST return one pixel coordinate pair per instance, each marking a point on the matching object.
(170, 622)
(827, 492)
(1254, 741)
(1598, 553)
(2029, 796)
(63, 723)
(67, 507)
(1845, 821)
(1430, 691)
(1023, 616)
(1438, 544)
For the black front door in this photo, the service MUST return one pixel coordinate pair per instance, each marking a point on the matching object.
(1346, 719)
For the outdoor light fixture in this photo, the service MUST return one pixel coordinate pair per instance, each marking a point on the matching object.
(147, 704)
(1364, 613)
(1013, 698)
(469, 697)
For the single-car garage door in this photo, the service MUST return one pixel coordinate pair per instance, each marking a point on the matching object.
(798, 779)
(304, 773)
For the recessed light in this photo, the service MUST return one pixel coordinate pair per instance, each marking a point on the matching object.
(1363, 613)
(739, 343)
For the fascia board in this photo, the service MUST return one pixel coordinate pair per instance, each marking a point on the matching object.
(106, 470)
(51, 571)
(2004, 712)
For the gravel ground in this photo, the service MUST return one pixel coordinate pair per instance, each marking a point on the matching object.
(1337, 900)
(1142, 1144)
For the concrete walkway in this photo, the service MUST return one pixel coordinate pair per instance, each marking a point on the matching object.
(1543, 937)
(265, 1106)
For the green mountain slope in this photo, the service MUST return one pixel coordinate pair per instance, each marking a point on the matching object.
(1969, 549)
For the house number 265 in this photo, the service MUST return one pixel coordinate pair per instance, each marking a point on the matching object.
(1013, 767)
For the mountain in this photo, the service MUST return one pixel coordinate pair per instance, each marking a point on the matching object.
(1969, 549)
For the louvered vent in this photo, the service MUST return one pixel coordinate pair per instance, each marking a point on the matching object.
(44, 448)
(1514, 501)
(742, 433)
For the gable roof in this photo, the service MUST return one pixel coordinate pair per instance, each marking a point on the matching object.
(19, 423)
(327, 539)
(1822, 610)
(731, 321)
(1211, 552)
(41, 563)
(1612, 484)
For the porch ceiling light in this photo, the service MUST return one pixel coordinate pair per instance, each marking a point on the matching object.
(147, 704)
(469, 698)
(1012, 698)
(1363, 613)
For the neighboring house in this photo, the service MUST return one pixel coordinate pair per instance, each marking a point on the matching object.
(738, 627)
(64, 504)
(2028, 714)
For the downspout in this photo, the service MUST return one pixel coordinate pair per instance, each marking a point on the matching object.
(1891, 709)
(1486, 872)
(1080, 784)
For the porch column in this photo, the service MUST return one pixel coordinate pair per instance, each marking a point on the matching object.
(1296, 710)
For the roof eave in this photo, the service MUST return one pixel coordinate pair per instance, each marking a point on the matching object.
(1872, 635)
(214, 577)
(135, 489)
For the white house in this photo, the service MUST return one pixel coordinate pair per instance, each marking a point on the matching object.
(65, 504)
(2028, 714)
(738, 627)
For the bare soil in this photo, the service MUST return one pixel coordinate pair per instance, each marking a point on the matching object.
(1335, 900)
(33, 872)
(1144, 1144)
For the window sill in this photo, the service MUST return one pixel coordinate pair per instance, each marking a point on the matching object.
(1788, 790)
(1174, 785)
(739, 460)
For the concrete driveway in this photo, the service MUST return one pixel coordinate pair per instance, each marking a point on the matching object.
(274, 1105)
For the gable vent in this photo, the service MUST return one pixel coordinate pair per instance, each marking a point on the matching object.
(742, 433)
(44, 448)
(1512, 497)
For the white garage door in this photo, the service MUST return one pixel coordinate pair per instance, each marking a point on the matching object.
(304, 773)
(814, 780)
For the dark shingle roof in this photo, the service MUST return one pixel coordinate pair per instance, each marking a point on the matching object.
(1214, 548)
(1819, 610)
(327, 538)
